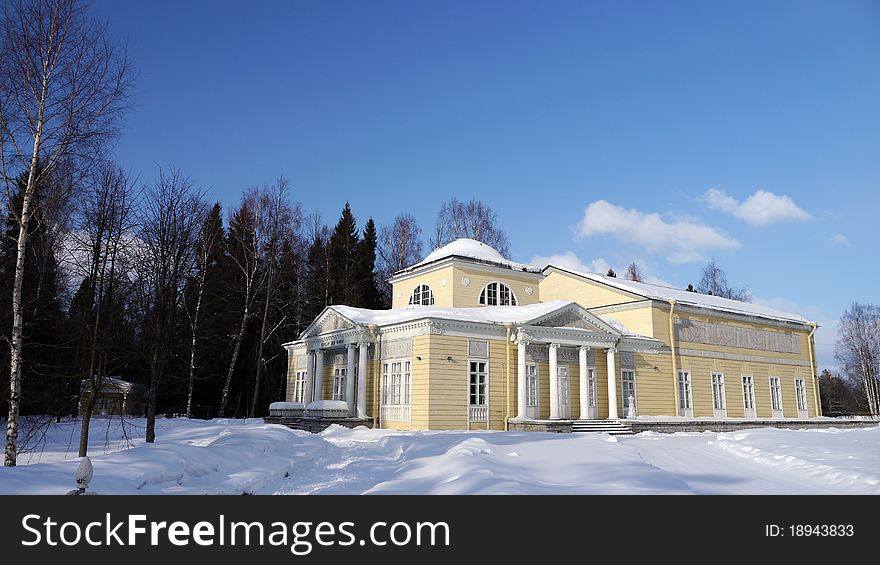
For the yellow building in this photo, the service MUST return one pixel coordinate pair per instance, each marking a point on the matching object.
(475, 341)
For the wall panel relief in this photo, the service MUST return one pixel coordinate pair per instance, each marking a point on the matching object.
(709, 333)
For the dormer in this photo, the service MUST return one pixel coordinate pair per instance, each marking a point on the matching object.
(466, 274)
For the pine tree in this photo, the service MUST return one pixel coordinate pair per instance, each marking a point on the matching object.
(369, 296)
(611, 274)
(317, 284)
(343, 254)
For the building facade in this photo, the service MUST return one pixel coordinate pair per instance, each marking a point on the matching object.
(475, 341)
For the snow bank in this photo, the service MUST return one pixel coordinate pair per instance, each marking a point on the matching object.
(247, 456)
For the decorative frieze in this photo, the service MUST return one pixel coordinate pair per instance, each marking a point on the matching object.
(397, 349)
(709, 333)
(564, 355)
(627, 359)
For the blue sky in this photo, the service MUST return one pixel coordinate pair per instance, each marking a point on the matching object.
(601, 132)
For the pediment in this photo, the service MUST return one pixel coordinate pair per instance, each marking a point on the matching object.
(328, 321)
(574, 316)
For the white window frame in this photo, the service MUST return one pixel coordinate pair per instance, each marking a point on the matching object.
(478, 412)
(339, 376)
(483, 299)
(533, 386)
(719, 394)
(800, 392)
(425, 295)
(687, 410)
(635, 395)
(749, 400)
(776, 409)
(299, 385)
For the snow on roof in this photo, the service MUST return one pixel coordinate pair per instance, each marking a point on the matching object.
(472, 249)
(659, 292)
(490, 314)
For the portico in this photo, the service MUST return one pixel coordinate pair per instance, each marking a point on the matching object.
(578, 347)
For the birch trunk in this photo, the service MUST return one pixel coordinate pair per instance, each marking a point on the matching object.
(17, 318)
(225, 398)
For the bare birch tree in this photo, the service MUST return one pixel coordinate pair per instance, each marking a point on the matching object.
(278, 222)
(210, 240)
(858, 350)
(714, 282)
(100, 252)
(63, 89)
(473, 220)
(633, 273)
(400, 245)
(171, 215)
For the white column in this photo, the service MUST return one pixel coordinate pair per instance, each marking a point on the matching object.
(319, 375)
(349, 378)
(362, 381)
(310, 376)
(522, 395)
(584, 385)
(554, 382)
(612, 385)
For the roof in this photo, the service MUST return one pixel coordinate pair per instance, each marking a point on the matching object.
(485, 314)
(665, 293)
(116, 383)
(472, 249)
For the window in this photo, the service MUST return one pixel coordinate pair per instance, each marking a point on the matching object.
(422, 295)
(497, 294)
(775, 395)
(477, 383)
(748, 396)
(800, 387)
(299, 386)
(718, 391)
(532, 385)
(396, 383)
(685, 403)
(339, 383)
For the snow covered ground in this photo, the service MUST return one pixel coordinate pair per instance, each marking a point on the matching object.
(236, 456)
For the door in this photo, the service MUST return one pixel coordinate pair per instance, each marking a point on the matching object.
(592, 399)
(685, 395)
(628, 393)
(564, 394)
(748, 396)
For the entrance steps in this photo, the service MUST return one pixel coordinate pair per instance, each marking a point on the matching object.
(611, 427)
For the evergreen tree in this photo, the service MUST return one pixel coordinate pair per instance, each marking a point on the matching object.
(43, 381)
(343, 254)
(370, 295)
(317, 284)
(611, 274)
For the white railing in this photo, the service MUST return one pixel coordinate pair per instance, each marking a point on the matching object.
(396, 412)
(478, 413)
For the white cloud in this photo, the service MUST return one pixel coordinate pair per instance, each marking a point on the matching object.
(760, 209)
(572, 261)
(838, 239)
(679, 240)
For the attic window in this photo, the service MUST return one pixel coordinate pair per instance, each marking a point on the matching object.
(422, 295)
(497, 294)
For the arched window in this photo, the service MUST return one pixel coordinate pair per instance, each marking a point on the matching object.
(497, 294)
(422, 295)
